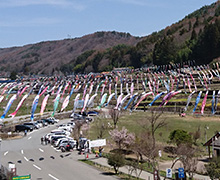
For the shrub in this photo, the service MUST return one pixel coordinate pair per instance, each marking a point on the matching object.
(116, 160)
(213, 168)
(180, 137)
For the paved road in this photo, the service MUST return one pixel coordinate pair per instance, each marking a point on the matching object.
(44, 162)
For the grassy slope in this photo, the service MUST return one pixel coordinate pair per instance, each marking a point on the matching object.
(174, 121)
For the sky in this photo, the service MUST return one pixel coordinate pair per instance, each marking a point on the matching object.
(25, 22)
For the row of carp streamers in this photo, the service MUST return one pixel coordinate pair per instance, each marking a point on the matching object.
(164, 84)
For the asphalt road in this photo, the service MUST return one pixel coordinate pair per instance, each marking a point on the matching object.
(44, 162)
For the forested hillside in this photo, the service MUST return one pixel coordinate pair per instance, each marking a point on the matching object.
(50, 57)
(196, 37)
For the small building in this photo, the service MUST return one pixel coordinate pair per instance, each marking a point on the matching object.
(214, 143)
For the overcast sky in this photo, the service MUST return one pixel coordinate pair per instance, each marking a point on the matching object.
(30, 21)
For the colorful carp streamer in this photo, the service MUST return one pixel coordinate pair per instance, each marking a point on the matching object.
(172, 94)
(45, 89)
(91, 100)
(109, 99)
(213, 102)
(67, 99)
(188, 100)
(144, 96)
(55, 104)
(85, 103)
(76, 102)
(123, 101)
(18, 106)
(197, 101)
(216, 100)
(167, 96)
(135, 101)
(1, 98)
(103, 99)
(8, 106)
(118, 101)
(204, 102)
(23, 90)
(65, 103)
(34, 106)
(115, 91)
(131, 99)
(10, 90)
(157, 97)
(44, 103)
(132, 89)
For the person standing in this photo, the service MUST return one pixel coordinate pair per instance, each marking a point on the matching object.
(45, 139)
(100, 151)
(42, 140)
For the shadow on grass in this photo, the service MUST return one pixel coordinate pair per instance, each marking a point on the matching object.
(108, 173)
(122, 151)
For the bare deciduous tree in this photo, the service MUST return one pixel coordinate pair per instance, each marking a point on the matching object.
(153, 122)
(144, 146)
(115, 114)
(101, 125)
(186, 154)
(196, 135)
(76, 131)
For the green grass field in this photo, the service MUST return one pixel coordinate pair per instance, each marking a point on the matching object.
(189, 123)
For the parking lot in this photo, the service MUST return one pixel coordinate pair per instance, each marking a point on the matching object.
(46, 161)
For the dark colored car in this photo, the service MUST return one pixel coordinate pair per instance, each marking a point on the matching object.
(76, 116)
(22, 127)
(49, 121)
(80, 117)
(43, 122)
(31, 124)
(93, 113)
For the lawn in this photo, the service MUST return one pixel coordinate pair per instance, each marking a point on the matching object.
(189, 123)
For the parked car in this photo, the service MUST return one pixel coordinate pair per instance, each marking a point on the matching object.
(54, 119)
(62, 132)
(22, 127)
(76, 116)
(80, 117)
(93, 113)
(49, 121)
(72, 144)
(54, 138)
(57, 133)
(65, 148)
(71, 124)
(38, 124)
(61, 140)
(56, 130)
(35, 125)
(66, 128)
(61, 125)
(43, 122)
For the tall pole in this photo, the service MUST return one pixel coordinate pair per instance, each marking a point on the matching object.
(212, 147)
(27, 108)
(0, 156)
(206, 128)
